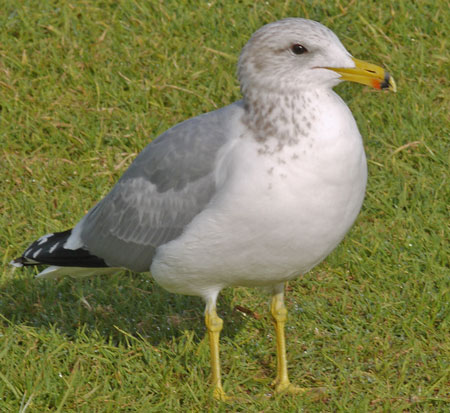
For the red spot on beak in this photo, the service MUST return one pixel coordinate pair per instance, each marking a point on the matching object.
(376, 84)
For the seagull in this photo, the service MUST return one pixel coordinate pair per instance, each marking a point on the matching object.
(254, 194)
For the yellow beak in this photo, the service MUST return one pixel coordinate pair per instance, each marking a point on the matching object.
(367, 74)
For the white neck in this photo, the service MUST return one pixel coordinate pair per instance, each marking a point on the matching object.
(286, 118)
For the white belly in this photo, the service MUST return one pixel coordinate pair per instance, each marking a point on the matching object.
(275, 215)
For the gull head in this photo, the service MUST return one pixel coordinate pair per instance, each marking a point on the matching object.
(295, 54)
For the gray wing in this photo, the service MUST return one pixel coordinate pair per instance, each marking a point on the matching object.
(166, 186)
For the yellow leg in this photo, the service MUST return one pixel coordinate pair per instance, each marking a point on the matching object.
(214, 325)
(279, 314)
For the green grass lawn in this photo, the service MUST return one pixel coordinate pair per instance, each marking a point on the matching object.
(84, 86)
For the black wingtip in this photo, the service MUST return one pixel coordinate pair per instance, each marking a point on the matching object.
(17, 262)
(50, 250)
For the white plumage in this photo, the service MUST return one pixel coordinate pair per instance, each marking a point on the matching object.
(253, 194)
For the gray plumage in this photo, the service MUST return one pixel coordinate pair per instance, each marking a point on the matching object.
(272, 182)
(254, 194)
(166, 186)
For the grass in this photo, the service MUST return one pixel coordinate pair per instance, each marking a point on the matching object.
(85, 85)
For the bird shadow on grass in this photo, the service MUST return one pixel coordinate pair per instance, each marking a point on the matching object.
(114, 306)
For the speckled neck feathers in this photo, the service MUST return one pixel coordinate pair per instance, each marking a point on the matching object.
(283, 118)
(282, 88)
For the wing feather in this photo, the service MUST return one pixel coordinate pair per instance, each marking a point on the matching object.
(166, 186)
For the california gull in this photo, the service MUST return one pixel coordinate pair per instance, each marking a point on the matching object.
(253, 194)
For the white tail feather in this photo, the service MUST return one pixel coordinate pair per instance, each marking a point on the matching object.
(54, 271)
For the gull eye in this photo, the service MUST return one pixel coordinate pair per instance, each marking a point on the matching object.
(297, 48)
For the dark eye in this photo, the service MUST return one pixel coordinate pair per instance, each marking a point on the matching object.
(298, 49)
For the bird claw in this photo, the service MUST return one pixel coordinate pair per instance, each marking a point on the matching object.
(219, 394)
(287, 387)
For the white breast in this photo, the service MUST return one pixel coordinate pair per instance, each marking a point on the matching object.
(277, 213)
